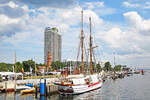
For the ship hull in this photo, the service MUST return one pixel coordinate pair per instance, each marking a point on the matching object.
(79, 89)
(8, 90)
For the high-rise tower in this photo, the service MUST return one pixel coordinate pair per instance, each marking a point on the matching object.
(52, 44)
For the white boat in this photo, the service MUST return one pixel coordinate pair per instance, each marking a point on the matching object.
(79, 85)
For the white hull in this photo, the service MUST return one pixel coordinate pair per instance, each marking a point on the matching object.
(79, 88)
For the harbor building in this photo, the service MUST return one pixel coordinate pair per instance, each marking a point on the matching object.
(52, 44)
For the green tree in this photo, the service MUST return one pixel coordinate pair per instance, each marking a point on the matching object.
(18, 66)
(40, 64)
(99, 68)
(117, 68)
(107, 66)
(56, 65)
(6, 67)
(28, 64)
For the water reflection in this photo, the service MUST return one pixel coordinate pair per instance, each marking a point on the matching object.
(9, 96)
(42, 98)
(62, 97)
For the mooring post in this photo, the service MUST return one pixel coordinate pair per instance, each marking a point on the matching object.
(15, 87)
(49, 89)
(46, 90)
(6, 87)
(42, 87)
(36, 92)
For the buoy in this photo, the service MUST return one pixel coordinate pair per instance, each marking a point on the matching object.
(42, 87)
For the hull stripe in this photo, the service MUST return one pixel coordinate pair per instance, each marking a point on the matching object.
(94, 84)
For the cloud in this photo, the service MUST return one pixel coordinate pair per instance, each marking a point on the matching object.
(11, 18)
(112, 36)
(143, 5)
(147, 5)
(17, 15)
(136, 21)
(22, 18)
(12, 4)
(99, 7)
(92, 5)
(135, 60)
(127, 4)
(11, 9)
(131, 39)
(11, 12)
(9, 26)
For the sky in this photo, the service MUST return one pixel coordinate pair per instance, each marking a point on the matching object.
(120, 28)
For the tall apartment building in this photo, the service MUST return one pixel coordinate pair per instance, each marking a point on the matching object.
(52, 44)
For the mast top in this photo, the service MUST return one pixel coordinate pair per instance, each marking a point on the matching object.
(82, 33)
(90, 26)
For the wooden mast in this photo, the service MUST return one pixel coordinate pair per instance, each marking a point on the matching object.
(82, 42)
(91, 49)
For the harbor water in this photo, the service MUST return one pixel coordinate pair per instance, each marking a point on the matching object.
(134, 87)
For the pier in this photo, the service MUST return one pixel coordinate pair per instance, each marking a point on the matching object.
(6, 85)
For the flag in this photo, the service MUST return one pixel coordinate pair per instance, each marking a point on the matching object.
(22, 70)
(66, 72)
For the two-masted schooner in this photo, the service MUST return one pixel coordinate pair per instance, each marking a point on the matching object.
(81, 83)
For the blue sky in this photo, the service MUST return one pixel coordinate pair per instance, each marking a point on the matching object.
(120, 26)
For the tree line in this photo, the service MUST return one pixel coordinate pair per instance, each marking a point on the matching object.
(30, 65)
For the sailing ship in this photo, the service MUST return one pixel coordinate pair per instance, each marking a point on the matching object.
(81, 83)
